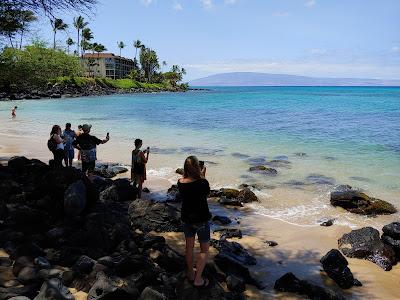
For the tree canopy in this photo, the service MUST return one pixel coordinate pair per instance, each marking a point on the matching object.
(35, 65)
(49, 6)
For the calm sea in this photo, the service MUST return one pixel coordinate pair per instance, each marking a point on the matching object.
(327, 135)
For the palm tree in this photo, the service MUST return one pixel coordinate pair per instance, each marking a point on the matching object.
(137, 44)
(69, 43)
(87, 35)
(79, 24)
(175, 69)
(98, 48)
(57, 24)
(164, 63)
(121, 45)
(149, 62)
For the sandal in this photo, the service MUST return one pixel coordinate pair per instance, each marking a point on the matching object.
(205, 284)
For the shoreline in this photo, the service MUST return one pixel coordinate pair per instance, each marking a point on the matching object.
(299, 247)
(88, 90)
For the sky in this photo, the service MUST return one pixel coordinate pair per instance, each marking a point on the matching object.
(321, 38)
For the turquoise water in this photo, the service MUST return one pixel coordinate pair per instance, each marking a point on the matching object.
(349, 135)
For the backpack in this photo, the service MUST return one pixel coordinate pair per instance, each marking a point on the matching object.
(51, 144)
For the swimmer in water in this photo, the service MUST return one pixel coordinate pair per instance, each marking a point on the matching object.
(14, 112)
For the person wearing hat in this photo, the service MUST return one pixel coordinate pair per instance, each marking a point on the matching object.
(87, 143)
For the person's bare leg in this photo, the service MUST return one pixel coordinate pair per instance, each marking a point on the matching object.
(189, 257)
(201, 263)
(140, 187)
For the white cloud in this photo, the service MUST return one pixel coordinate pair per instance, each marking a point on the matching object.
(230, 1)
(318, 51)
(281, 14)
(207, 4)
(177, 7)
(311, 3)
(395, 49)
(147, 2)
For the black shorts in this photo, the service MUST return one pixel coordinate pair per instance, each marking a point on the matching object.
(202, 230)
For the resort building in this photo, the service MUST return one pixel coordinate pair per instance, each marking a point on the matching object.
(107, 65)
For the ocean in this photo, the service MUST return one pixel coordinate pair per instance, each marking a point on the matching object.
(317, 137)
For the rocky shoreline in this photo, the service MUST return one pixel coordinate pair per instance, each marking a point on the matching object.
(72, 91)
(64, 233)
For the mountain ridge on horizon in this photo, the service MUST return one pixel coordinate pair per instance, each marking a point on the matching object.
(268, 79)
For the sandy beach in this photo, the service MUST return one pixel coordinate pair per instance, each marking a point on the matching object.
(299, 247)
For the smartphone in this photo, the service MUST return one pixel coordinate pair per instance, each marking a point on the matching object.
(201, 164)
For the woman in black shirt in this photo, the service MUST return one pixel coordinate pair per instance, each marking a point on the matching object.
(195, 215)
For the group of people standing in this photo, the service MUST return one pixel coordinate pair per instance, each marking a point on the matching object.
(63, 144)
(193, 188)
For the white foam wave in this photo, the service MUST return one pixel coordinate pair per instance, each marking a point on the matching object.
(162, 172)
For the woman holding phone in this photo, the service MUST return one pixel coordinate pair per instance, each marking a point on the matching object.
(195, 215)
(138, 169)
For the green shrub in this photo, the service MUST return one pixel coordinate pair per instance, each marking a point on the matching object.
(35, 66)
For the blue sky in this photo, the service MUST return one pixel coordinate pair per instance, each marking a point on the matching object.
(332, 38)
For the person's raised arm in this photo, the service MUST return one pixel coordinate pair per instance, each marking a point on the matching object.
(106, 139)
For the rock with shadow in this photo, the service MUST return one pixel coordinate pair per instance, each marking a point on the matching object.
(120, 190)
(186, 290)
(54, 289)
(179, 171)
(391, 237)
(263, 170)
(111, 288)
(319, 179)
(336, 266)
(109, 170)
(148, 215)
(173, 194)
(221, 220)
(227, 233)
(358, 202)
(234, 250)
(279, 163)
(75, 199)
(365, 243)
(234, 260)
(291, 284)
(234, 197)
(28, 291)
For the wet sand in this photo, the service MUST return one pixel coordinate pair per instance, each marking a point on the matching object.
(299, 247)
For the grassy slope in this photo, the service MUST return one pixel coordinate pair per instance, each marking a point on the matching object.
(123, 84)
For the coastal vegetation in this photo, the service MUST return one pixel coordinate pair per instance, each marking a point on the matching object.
(38, 65)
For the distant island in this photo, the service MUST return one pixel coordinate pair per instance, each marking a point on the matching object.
(265, 79)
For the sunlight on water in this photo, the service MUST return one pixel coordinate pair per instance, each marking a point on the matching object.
(329, 135)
